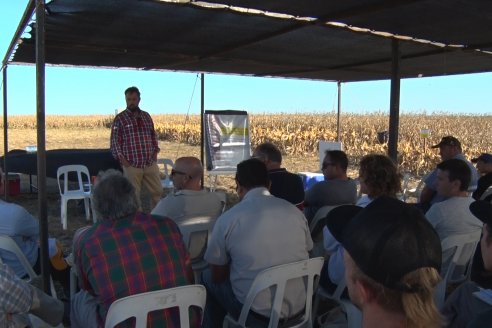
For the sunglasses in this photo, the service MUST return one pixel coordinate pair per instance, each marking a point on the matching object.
(174, 172)
(326, 164)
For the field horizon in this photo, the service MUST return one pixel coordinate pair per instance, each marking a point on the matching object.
(297, 135)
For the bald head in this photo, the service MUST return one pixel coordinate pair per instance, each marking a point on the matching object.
(188, 173)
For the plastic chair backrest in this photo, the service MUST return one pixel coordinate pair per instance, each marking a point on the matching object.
(167, 165)
(9, 245)
(278, 276)
(464, 246)
(139, 305)
(316, 228)
(63, 171)
(195, 233)
(486, 193)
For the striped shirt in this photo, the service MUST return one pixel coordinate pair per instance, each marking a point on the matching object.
(130, 256)
(15, 296)
(133, 137)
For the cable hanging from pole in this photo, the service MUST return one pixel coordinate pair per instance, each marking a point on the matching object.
(187, 117)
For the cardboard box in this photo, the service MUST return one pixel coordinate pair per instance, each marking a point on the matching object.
(14, 185)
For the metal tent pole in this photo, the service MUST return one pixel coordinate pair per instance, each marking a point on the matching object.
(41, 138)
(394, 119)
(202, 126)
(339, 87)
(5, 135)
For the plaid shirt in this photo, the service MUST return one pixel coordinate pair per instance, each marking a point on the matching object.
(16, 296)
(133, 136)
(130, 256)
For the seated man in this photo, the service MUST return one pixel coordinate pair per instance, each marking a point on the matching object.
(449, 148)
(125, 253)
(337, 188)
(392, 259)
(484, 167)
(188, 198)
(453, 216)
(19, 224)
(461, 307)
(284, 184)
(259, 232)
(18, 298)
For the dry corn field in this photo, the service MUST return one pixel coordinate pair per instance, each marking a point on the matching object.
(297, 135)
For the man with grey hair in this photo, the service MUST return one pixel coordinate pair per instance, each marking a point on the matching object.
(125, 253)
(188, 199)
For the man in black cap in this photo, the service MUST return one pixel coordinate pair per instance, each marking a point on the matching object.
(449, 147)
(462, 309)
(484, 167)
(392, 259)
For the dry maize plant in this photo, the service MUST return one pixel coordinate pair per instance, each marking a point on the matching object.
(299, 134)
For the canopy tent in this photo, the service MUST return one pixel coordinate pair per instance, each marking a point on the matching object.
(294, 39)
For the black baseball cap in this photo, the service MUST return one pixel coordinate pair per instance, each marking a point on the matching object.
(484, 157)
(387, 240)
(482, 210)
(448, 141)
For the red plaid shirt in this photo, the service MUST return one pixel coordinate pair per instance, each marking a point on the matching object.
(133, 136)
(130, 256)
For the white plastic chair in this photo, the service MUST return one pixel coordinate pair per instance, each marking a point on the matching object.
(167, 166)
(354, 315)
(277, 277)
(139, 305)
(486, 193)
(413, 192)
(316, 229)
(195, 233)
(9, 245)
(459, 269)
(83, 190)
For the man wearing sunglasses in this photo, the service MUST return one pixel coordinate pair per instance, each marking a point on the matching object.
(337, 189)
(134, 144)
(188, 198)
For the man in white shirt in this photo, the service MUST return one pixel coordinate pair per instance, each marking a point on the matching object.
(453, 216)
(188, 199)
(259, 232)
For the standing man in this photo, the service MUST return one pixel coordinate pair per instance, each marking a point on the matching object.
(134, 145)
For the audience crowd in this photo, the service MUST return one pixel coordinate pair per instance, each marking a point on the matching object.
(390, 255)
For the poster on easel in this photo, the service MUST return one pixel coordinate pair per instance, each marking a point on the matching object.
(227, 139)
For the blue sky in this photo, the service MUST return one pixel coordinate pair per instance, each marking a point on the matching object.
(95, 91)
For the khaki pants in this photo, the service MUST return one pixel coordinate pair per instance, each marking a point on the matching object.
(147, 177)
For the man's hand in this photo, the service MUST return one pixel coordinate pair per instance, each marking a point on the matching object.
(123, 161)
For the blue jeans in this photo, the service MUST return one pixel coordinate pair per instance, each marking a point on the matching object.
(220, 301)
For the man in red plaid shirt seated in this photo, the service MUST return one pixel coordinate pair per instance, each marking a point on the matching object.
(125, 253)
(134, 145)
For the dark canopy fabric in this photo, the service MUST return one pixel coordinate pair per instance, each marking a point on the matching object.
(464, 22)
(157, 35)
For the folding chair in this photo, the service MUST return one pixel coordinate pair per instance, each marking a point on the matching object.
(83, 190)
(167, 166)
(277, 277)
(316, 228)
(459, 269)
(195, 233)
(354, 315)
(138, 306)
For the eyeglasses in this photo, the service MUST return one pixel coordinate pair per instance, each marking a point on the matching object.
(174, 172)
(326, 164)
